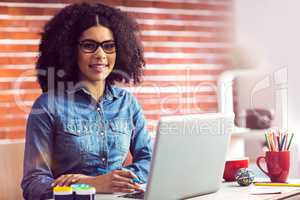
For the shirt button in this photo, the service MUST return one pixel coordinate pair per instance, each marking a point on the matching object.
(98, 109)
(103, 159)
(101, 133)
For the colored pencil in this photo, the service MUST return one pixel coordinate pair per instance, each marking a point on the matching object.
(267, 140)
(286, 141)
(278, 140)
(288, 148)
(277, 184)
(278, 143)
(282, 143)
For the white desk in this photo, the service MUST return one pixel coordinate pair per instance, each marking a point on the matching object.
(234, 192)
(230, 191)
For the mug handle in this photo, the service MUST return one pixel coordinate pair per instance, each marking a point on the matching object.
(258, 164)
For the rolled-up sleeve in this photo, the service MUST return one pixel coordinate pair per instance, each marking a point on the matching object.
(141, 145)
(37, 177)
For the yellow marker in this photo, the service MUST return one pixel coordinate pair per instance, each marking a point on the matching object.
(277, 184)
(62, 189)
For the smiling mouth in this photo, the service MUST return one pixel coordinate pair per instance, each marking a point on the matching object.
(98, 67)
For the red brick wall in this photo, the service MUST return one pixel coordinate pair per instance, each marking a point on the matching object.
(185, 41)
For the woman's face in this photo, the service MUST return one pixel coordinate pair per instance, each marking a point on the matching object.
(96, 54)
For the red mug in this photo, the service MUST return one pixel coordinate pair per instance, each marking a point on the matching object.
(278, 165)
(232, 166)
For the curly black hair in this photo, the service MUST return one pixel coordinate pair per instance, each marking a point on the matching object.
(59, 42)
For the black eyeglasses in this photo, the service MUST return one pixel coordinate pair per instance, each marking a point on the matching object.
(91, 46)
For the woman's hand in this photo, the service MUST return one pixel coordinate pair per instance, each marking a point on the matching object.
(114, 181)
(68, 179)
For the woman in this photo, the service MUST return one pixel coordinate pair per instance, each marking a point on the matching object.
(82, 127)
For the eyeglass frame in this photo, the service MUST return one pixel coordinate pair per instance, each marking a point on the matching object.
(99, 44)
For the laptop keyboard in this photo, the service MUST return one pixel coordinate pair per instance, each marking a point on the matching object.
(137, 195)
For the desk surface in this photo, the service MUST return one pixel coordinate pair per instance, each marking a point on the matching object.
(233, 191)
(229, 191)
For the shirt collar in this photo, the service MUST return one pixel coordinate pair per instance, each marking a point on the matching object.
(109, 92)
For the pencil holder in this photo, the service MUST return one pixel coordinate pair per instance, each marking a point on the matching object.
(278, 165)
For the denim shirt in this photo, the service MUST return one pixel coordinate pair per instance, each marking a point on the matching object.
(72, 133)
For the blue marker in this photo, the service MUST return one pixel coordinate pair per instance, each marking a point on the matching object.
(136, 180)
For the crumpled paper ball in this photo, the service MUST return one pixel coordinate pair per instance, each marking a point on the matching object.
(244, 177)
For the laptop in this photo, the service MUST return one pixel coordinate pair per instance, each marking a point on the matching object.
(188, 158)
